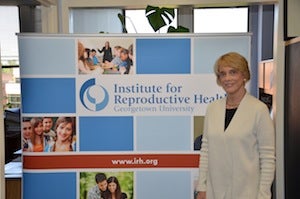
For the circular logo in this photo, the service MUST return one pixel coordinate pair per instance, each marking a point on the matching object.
(93, 97)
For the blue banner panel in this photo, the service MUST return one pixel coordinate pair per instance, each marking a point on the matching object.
(49, 185)
(106, 133)
(48, 95)
(163, 56)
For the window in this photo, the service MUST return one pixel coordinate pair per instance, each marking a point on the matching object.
(221, 20)
(137, 22)
(9, 26)
(11, 87)
(94, 20)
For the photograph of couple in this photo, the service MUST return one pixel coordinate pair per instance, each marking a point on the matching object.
(108, 185)
(105, 56)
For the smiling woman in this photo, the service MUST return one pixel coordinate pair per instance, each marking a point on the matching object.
(65, 135)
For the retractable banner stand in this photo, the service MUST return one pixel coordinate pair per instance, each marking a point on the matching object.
(133, 115)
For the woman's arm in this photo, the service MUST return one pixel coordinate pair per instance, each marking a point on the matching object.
(203, 162)
(100, 51)
(82, 67)
(266, 148)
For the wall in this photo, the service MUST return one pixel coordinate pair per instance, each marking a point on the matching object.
(292, 13)
(292, 115)
(64, 6)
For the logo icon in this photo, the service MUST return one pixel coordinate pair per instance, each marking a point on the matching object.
(93, 97)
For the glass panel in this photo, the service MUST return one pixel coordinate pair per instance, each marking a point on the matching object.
(220, 20)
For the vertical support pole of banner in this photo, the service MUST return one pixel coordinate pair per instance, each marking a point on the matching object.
(2, 142)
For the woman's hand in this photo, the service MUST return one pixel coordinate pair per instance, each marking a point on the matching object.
(201, 195)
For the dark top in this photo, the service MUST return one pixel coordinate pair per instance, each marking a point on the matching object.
(108, 196)
(198, 142)
(128, 65)
(107, 56)
(228, 117)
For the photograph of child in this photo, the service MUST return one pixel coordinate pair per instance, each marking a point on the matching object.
(49, 134)
(114, 57)
(106, 185)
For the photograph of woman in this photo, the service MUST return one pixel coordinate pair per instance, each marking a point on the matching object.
(237, 156)
(64, 141)
(107, 53)
(37, 138)
(114, 189)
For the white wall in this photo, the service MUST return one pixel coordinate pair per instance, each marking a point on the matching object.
(293, 16)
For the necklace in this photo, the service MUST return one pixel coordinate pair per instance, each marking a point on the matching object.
(232, 106)
(236, 103)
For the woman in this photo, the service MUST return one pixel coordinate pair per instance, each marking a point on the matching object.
(107, 54)
(85, 64)
(37, 138)
(114, 189)
(64, 128)
(238, 146)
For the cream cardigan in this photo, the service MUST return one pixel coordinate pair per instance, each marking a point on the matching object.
(240, 162)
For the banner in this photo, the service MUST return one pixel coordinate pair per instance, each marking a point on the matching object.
(128, 107)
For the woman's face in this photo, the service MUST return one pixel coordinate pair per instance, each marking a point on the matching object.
(231, 79)
(112, 187)
(39, 129)
(85, 54)
(64, 131)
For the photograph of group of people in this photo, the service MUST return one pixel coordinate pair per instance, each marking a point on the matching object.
(105, 56)
(48, 134)
(106, 185)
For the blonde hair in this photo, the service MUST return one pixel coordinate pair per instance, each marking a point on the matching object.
(234, 60)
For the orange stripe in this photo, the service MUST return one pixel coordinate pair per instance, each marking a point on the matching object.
(111, 161)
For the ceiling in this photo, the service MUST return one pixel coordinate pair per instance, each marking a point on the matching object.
(19, 2)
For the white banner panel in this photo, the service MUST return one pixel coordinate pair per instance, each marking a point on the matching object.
(145, 95)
